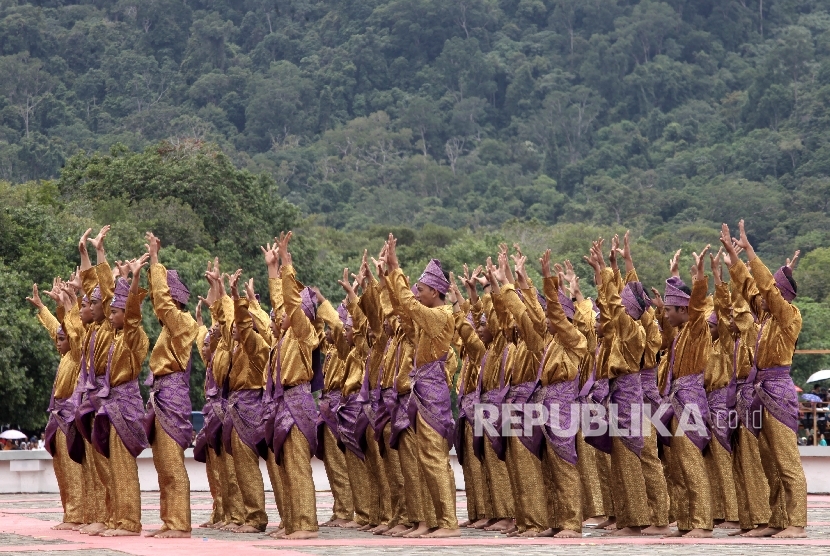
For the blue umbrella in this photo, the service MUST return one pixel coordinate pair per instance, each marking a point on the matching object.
(811, 398)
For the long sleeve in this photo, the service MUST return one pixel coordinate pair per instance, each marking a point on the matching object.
(131, 343)
(523, 316)
(173, 348)
(49, 322)
(329, 315)
(70, 365)
(473, 345)
(535, 312)
(250, 360)
(201, 334)
(302, 328)
(786, 315)
(300, 339)
(435, 326)
(222, 312)
(626, 336)
(106, 283)
(566, 332)
(694, 346)
(275, 292)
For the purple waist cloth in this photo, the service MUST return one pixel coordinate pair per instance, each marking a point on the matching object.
(775, 391)
(598, 395)
(744, 398)
(466, 409)
(626, 395)
(170, 403)
(244, 415)
(688, 391)
(431, 398)
(328, 410)
(62, 416)
(210, 436)
(398, 407)
(651, 393)
(558, 399)
(123, 409)
(295, 407)
(380, 413)
(495, 398)
(721, 403)
(519, 395)
(88, 404)
(352, 423)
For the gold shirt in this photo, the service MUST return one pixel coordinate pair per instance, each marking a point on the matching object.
(131, 343)
(693, 347)
(70, 364)
(300, 340)
(100, 275)
(566, 350)
(250, 354)
(173, 348)
(625, 337)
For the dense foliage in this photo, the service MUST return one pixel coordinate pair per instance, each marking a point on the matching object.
(454, 123)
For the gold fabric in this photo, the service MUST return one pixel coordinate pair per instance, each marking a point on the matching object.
(719, 467)
(694, 344)
(300, 339)
(656, 488)
(171, 351)
(532, 344)
(529, 493)
(131, 343)
(395, 484)
(777, 445)
(564, 492)
(355, 365)
(626, 339)
(276, 483)
(669, 469)
(100, 275)
(364, 491)
(251, 487)
(419, 505)
(694, 495)
(95, 489)
(234, 509)
(630, 498)
(297, 484)
(592, 505)
(126, 491)
(751, 487)
(604, 471)
(250, 356)
(104, 475)
(479, 503)
(213, 468)
(436, 472)
(174, 484)
(70, 363)
(335, 463)
(568, 347)
(498, 483)
(70, 481)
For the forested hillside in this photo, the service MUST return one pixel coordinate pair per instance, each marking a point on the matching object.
(455, 123)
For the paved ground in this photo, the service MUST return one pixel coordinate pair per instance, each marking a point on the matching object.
(25, 521)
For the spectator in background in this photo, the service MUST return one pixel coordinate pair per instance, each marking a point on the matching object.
(822, 441)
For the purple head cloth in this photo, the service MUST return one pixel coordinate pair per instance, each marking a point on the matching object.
(206, 341)
(308, 303)
(344, 315)
(272, 314)
(96, 294)
(60, 330)
(783, 285)
(434, 277)
(567, 304)
(470, 318)
(674, 296)
(178, 291)
(595, 309)
(712, 318)
(635, 300)
(122, 290)
(542, 301)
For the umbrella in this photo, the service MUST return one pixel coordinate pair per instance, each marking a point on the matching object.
(811, 398)
(12, 434)
(820, 375)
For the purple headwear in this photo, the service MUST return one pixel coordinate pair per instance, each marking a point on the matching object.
(635, 300)
(434, 277)
(308, 303)
(178, 291)
(542, 300)
(122, 291)
(206, 341)
(96, 294)
(712, 318)
(344, 315)
(595, 308)
(272, 314)
(674, 296)
(567, 304)
(783, 284)
(469, 318)
(60, 330)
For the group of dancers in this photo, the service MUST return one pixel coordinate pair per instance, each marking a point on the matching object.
(366, 386)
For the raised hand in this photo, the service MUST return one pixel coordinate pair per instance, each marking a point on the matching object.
(545, 262)
(136, 265)
(55, 293)
(85, 262)
(75, 281)
(122, 269)
(98, 241)
(657, 299)
(674, 263)
(743, 241)
(35, 299)
(570, 275)
(560, 273)
(615, 248)
(212, 274)
(504, 274)
(233, 282)
(285, 256)
(250, 293)
(270, 254)
(521, 274)
(697, 270)
(199, 320)
(492, 275)
(453, 294)
(153, 247)
(792, 262)
(717, 269)
(347, 285)
(391, 256)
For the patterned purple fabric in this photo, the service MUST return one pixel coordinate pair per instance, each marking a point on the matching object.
(328, 410)
(635, 300)
(566, 303)
(344, 315)
(598, 395)
(122, 291)
(122, 407)
(542, 301)
(783, 284)
(244, 415)
(308, 303)
(721, 402)
(352, 423)
(170, 403)
(96, 294)
(744, 398)
(494, 397)
(775, 391)
(62, 416)
(433, 277)
(295, 407)
(178, 291)
(626, 391)
(431, 398)
(712, 318)
(381, 413)
(520, 394)
(651, 393)
(562, 394)
(674, 296)
(84, 411)
(689, 391)
(398, 407)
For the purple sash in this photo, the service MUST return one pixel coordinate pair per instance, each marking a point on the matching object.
(352, 423)
(214, 414)
(626, 391)
(170, 403)
(244, 414)
(85, 410)
(519, 395)
(327, 417)
(431, 398)
(564, 394)
(719, 411)
(496, 398)
(397, 404)
(689, 391)
(466, 410)
(62, 416)
(775, 391)
(294, 407)
(596, 391)
(651, 394)
(376, 409)
(666, 402)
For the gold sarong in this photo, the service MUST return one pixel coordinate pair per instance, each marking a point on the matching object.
(126, 491)
(174, 484)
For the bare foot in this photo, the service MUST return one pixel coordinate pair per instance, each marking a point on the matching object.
(509, 530)
(530, 533)
(247, 529)
(656, 530)
(442, 533)
(301, 535)
(207, 525)
(93, 528)
(351, 525)
(152, 533)
(728, 525)
(500, 525)
(380, 529)
(465, 523)
(567, 534)
(79, 526)
(765, 532)
(123, 533)
(231, 527)
(367, 527)
(607, 523)
(65, 526)
(277, 533)
(404, 533)
(339, 522)
(593, 521)
(738, 532)
(481, 523)
(627, 532)
(677, 533)
(791, 532)
(698, 534)
(399, 528)
(421, 530)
